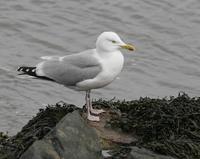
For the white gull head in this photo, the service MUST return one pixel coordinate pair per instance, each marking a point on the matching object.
(110, 42)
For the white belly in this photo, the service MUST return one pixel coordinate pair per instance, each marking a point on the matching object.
(112, 65)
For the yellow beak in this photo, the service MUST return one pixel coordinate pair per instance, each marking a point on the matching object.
(128, 47)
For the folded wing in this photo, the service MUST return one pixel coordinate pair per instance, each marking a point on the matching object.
(71, 69)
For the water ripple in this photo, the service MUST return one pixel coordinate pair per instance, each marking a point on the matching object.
(166, 34)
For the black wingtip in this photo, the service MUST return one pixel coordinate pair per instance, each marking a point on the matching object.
(19, 69)
(31, 71)
(27, 70)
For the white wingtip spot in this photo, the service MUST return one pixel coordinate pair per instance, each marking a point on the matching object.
(33, 70)
(20, 69)
(27, 70)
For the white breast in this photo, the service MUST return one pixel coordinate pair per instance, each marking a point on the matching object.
(112, 64)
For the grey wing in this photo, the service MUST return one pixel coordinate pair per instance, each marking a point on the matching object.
(72, 68)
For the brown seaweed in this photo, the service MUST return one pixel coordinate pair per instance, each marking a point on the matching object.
(165, 126)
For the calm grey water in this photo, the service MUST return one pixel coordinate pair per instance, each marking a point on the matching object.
(166, 34)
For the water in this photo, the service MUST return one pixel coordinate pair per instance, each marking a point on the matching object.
(166, 34)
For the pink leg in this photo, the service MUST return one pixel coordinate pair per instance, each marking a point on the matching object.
(95, 111)
(89, 116)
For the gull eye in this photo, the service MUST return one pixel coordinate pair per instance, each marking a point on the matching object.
(113, 41)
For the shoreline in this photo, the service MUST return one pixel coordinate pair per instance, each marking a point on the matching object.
(163, 127)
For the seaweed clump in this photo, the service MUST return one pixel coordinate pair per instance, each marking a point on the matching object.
(165, 126)
(35, 129)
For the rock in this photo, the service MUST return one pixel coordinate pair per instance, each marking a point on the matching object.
(142, 153)
(109, 136)
(72, 138)
(133, 152)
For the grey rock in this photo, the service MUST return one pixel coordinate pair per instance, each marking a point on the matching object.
(142, 153)
(72, 138)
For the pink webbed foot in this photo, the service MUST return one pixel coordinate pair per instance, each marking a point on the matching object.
(97, 111)
(93, 118)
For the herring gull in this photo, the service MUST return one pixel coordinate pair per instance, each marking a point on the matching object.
(84, 71)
